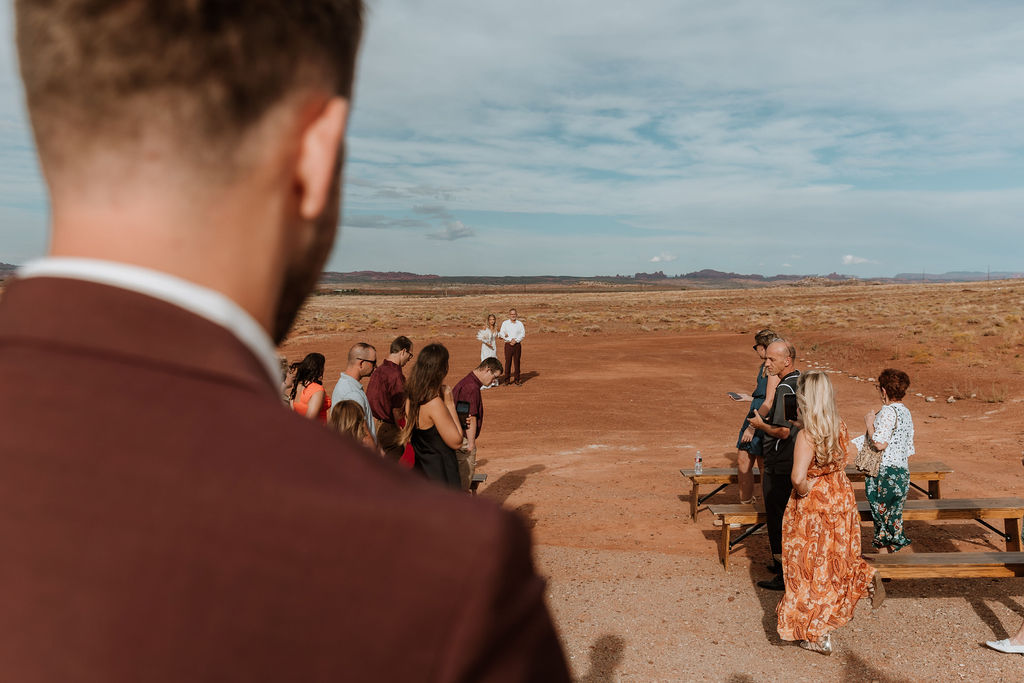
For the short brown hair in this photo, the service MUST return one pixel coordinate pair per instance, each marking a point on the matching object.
(401, 343)
(208, 69)
(895, 382)
(491, 363)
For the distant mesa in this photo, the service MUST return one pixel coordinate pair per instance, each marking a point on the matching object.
(375, 276)
(960, 276)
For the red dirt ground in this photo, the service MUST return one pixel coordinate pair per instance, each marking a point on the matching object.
(588, 452)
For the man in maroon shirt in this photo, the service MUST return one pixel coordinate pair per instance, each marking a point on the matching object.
(386, 393)
(468, 391)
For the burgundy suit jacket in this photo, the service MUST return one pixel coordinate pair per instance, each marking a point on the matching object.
(164, 518)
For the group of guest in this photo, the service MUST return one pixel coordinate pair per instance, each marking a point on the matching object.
(812, 518)
(420, 422)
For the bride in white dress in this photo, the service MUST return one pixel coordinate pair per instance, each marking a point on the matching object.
(488, 338)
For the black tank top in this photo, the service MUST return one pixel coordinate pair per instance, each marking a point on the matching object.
(434, 458)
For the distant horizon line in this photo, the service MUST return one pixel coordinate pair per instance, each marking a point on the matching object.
(705, 273)
(702, 274)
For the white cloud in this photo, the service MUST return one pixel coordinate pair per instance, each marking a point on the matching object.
(851, 260)
(453, 230)
(664, 257)
(716, 124)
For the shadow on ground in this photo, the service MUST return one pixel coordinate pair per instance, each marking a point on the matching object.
(507, 484)
(857, 669)
(605, 658)
(525, 511)
(769, 599)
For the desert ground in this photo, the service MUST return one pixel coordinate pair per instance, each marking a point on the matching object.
(622, 388)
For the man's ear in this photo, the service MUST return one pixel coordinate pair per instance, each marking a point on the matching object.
(318, 156)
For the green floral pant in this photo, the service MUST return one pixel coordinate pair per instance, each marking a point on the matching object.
(886, 494)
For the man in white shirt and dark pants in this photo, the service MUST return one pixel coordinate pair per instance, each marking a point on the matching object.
(512, 333)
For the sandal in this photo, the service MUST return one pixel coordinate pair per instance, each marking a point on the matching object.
(823, 646)
(877, 591)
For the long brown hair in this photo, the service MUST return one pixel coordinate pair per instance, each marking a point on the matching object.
(424, 384)
(310, 370)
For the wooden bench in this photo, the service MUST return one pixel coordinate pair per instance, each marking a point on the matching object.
(1009, 510)
(949, 565)
(478, 479)
(932, 472)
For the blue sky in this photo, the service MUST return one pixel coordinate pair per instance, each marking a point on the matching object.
(597, 137)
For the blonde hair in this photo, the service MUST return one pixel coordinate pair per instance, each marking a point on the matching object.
(817, 403)
(347, 417)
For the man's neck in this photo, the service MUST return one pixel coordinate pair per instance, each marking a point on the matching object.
(395, 358)
(219, 240)
(353, 373)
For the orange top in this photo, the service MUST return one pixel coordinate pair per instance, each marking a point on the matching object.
(301, 402)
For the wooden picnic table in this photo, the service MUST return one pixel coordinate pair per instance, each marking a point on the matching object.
(932, 472)
(1010, 510)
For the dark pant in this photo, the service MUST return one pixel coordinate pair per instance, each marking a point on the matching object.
(776, 488)
(513, 352)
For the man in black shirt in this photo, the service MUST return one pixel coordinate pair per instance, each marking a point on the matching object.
(779, 438)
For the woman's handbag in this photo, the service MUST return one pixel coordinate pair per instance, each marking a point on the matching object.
(869, 458)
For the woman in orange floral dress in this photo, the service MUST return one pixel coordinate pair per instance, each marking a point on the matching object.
(824, 571)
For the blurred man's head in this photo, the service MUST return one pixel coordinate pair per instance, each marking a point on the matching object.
(512, 315)
(179, 103)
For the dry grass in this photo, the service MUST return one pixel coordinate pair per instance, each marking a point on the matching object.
(935, 331)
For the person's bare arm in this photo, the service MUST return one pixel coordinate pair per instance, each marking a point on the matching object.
(471, 433)
(441, 412)
(869, 422)
(315, 402)
(773, 384)
(757, 422)
(803, 452)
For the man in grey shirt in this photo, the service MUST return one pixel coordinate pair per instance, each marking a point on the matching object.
(362, 361)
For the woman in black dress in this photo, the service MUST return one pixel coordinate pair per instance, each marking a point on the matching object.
(432, 425)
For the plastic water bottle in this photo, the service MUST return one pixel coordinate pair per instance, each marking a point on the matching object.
(698, 464)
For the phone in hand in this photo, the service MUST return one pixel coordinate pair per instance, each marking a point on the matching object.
(462, 410)
(734, 396)
(789, 407)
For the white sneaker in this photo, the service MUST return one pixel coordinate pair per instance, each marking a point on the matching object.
(1006, 646)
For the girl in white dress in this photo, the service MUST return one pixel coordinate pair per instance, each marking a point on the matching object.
(488, 338)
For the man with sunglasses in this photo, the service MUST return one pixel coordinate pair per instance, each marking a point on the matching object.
(362, 361)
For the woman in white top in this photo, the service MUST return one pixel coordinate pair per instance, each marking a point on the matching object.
(488, 338)
(892, 430)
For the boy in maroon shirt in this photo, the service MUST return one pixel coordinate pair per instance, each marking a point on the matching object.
(467, 392)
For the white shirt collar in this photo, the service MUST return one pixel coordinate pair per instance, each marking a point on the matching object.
(194, 298)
